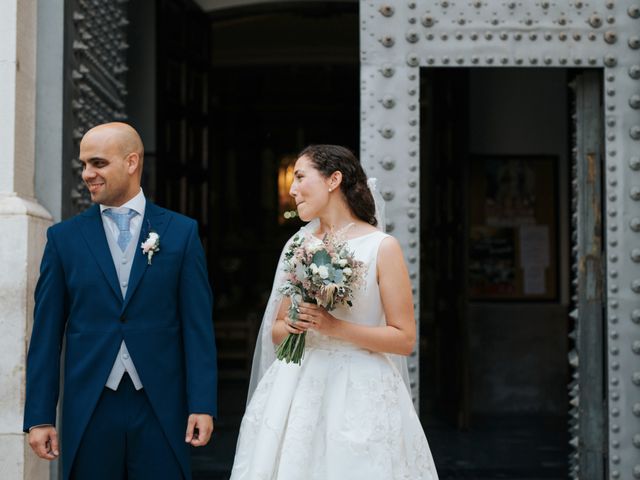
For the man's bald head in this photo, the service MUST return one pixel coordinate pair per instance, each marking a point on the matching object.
(119, 135)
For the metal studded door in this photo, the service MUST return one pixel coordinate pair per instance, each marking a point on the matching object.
(183, 109)
(94, 82)
(587, 388)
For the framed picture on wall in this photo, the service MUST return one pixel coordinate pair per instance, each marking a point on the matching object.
(513, 227)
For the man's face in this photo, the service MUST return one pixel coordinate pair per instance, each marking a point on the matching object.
(107, 170)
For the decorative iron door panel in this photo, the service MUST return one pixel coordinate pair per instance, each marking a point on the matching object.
(94, 82)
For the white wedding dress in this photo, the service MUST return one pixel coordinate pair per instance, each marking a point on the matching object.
(344, 414)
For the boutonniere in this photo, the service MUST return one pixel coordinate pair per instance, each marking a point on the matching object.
(151, 245)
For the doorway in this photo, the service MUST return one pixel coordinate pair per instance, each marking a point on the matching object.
(238, 93)
(495, 263)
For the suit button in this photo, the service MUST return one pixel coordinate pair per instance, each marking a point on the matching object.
(123, 318)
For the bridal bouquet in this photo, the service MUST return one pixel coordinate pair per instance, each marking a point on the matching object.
(325, 273)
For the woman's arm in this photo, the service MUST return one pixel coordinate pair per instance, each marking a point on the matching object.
(399, 334)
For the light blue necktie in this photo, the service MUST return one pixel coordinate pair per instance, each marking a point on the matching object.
(123, 221)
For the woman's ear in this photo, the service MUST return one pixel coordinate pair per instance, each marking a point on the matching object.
(335, 180)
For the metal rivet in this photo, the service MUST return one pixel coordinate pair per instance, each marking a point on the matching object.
(412, 228)
(635, 254)
(386, 10)
(610, 60)
(615, 459)
(634, 192)
(634, 42)
(388, 41)
(412, 36)
(610, 37)
(634, 11)
(634, 71)
(412, 60)
(387, 162)
(488, 35)
(413, 243)
(636, 440)
(548, 36)
(412, 212)
(634, 163)
(562, 37)
(387, 71)
(635, 347)
(615, 412)
(412, 183)
(427, 21)
(413, 198)
(635, 286)
(635, 378)
(387, 132)
(388, 101)
(634, 101)
(389, 227)
(635, 316)
(634, 132)
(636, 409)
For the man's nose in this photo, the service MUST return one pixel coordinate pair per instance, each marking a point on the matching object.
(88, 172)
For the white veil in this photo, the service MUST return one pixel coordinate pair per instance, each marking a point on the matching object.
(265, 351)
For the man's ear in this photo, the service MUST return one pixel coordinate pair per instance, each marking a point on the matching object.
(133, 163)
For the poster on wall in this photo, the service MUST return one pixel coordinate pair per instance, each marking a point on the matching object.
(513, 228)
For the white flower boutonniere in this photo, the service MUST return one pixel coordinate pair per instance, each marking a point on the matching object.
(151, 245)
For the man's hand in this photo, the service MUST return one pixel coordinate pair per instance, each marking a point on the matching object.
(44, 441)
(199, 429)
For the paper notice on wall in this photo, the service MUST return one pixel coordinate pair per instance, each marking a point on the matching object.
(534, 280)
(534, 257)
(534, 246)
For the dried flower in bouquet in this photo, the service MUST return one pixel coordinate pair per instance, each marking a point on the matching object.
(322, 272)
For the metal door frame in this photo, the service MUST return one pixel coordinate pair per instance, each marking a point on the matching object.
(397, 38)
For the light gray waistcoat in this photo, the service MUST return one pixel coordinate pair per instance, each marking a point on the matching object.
(122, 261)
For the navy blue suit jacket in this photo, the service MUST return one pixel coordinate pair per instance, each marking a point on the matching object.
(165, 320)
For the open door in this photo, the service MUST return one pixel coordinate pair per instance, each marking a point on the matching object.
(587, 389)
(445, 353)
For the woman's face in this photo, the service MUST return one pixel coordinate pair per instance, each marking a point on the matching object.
(310, 189)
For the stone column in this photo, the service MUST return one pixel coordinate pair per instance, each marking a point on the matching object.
(23, 223)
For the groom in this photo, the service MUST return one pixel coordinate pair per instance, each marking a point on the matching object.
(140, 357)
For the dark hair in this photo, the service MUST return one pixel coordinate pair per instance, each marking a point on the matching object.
(328, 159)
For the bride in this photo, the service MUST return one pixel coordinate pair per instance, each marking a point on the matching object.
(346, 411)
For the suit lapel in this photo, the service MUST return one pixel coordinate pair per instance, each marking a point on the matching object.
(94, 234)
(155, 219)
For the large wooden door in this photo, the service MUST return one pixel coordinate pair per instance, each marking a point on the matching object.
(183, 112)
(587, 389)
(444, 329)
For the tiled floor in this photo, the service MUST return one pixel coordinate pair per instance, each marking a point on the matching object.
(520, 448)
